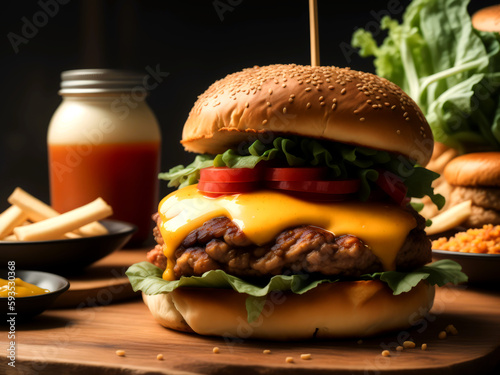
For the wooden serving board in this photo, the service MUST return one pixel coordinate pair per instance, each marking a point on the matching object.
(84, 341)
(103, 282)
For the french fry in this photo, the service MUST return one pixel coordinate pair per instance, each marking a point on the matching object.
(9, 219)
(59, 225)
(450, 218)
(38, 211)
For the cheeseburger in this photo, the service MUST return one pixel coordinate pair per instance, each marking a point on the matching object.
(294, 221)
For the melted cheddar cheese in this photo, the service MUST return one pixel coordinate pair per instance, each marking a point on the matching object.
(263, 214)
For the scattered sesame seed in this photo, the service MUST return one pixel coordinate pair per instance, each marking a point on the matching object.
(283, 85)
(369, 101)
(308, 105)
(305, 356)
(216, 104)
(450, 328)
(290, 100)
(216, 350)
(292, 96)
(159, 357)
(407, 119)
(284, 110)
(270, 91)
(405, 114)
(289, 359)
(308, 89)
(442, 335)
(268, 104)
(334, 100)
(321, 98)
(322, 103)
(266, 351)
(264, 122)
(361, 119)
(342, 91)
(424, 346)
(120, 353)
(385, 353)
(247, 105)
(377, 97)
(387, 104)
(331, 87)
(408, 344)
(334, 105)
(374, 106)
(393, 107)
(399, 348)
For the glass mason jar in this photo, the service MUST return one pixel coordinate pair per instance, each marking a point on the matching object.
(104, 141)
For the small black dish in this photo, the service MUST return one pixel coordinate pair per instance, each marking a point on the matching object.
(482, 269)
(28, 307)
(68, 254)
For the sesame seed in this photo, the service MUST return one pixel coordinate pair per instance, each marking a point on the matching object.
(120, 353)
(322, 103)
(369, 101)
(216, 104)
(327, 80)
(284, 110)
(334, 100)
(361, 119)
(292, 96)
(399, 348)
(321, 98)
(283, 85)
(306, 356)
(405, 114)
(380, 105)
(308, 81)
(398, 132)
(289, 359)
(356, 111)
(442, 335)
(342, 83)
(407, 119)
(342, 91)
(266, 351)
(270, 91)
(308, 105)
(334, 105)
(374, 106)
(268, 104)
(216, 350)
(159, 357)
(247, 105)
(264, 122)
(387, 104)
(331, 87)
(408, 344)
(308, 89)
(300, 82)
(377, 97)
(450, 328)
(393, 107)
(386, 353)
(290, 100)
(424, 346)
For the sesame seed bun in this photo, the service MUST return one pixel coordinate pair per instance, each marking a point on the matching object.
(337, 310)
(487, 19)
(326, 102)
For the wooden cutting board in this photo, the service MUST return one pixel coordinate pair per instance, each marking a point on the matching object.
(103, 282)
(84, 341)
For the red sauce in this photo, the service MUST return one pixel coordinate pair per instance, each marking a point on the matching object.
(124, 175)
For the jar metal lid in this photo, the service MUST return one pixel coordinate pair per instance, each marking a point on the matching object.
(83, 81)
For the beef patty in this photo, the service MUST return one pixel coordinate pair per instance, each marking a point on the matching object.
(220, 244)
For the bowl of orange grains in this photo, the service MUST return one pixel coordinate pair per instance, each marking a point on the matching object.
(477, 250)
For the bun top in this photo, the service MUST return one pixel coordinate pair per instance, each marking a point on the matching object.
(475, 169)
(324, 102)
(487, 19)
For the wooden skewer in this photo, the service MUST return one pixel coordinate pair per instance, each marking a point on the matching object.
(313, 26)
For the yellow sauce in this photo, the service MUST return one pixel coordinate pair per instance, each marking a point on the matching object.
(22, 288)
(263, 214)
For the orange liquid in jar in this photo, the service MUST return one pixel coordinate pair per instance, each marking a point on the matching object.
(125, 175)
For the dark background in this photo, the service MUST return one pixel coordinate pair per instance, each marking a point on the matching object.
(192, 40)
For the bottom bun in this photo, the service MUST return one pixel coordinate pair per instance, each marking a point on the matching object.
(337, 310)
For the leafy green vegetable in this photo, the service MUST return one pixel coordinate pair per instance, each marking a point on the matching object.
(344, 161)
(147, 278)
(449, 68)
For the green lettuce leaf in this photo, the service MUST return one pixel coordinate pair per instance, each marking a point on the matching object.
(344, 161)
(147, 278)
(450, 69)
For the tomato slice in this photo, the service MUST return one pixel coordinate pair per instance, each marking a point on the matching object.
(296, 174)
(322, 187)
(227, 187)
(393, 186)
(226, 174)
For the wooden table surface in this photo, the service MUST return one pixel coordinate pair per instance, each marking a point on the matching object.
(83, 340)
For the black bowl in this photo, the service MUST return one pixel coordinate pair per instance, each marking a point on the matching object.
(482, 269)
(27, 307)
(68, 254)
